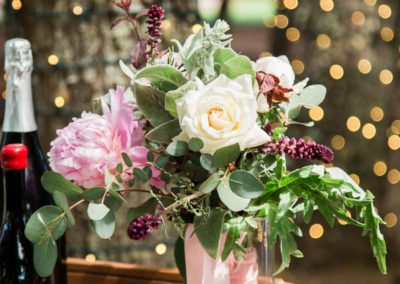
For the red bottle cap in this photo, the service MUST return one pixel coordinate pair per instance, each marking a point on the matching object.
(14, 157)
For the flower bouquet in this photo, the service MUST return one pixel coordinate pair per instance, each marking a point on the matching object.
(202, 132)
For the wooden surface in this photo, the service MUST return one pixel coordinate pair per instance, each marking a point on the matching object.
(81, 271)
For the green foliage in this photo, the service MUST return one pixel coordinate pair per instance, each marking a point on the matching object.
(147, 207)
(223, 156)
(236, 66)
(61, 201)
(233, 201)
(245, 184)
(208, 230)
(222, 55)
(151, 102)
(177, 148)
(206, 161)
(127, 159)
(210, 183)
(164, 132)
(163, 77)
(172, 96)
(105, 227)
(141, 175)
(45, 256)
(94, 193)
(52, 182)
(179, 254)
(97, 211)
(195, 144)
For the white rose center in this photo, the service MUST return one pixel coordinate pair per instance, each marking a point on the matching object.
(219, 118)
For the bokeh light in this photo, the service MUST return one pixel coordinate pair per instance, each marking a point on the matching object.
(53, 59)
(298, 66)
(16, 4)
(196, 28)
(281, 21)
(336, 71)
(387, 34)
(161, 249)
(292, 34)
(377, 114)
(370, 2)
(90, 257)
(390, 219)
(358, 18)
(364, 66)
(355, 177)
(323, 41)
(77, 10)
(338, 142)
(316, 231)
(368, 131)
(394, 142)
(384, 11)
(326, 5)
(290, 4)
(316, 113)
(59, 101)
(380, 168)
(393, 176)
(386, 77)
(353, 123)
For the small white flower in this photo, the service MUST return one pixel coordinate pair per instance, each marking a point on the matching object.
(221, 113)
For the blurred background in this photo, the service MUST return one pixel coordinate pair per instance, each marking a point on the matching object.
(351, 46)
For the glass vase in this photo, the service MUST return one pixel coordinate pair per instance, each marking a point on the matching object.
(265, 252)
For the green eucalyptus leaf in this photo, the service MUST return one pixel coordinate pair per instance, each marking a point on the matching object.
(161, 161)
(210, 183)
(172, 96)
(206, 161)
(141, 175)
(164, 77)
(208, 230)
(236, 66)
(195, 144)
(97, 211)
(127, 159)
(245, 184)
(177, 148)
(222, 55)
(164, 132)
(223, 156)
(147, 207)
(52, 182)
(179, 254)
(310, 97)
(233, 201)
(61, 201)
(151, 102)
(105, 227)
(45, 257)
(93, 193)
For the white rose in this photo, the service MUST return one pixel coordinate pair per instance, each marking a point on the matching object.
(222, 113)
(280, 68)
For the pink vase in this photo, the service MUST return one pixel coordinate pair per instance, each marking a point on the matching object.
(202, 269)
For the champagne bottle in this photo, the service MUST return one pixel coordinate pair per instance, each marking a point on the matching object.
(19, 126)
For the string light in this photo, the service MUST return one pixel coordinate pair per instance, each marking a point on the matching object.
(290, 4)
(387, 34)
(59, 101)
(358, 18)
(316, 231)
(380, 168)
(265, 54)
(394, 142)
(395, 127)
(393, 176)
(377, 114)
(53, 59)
(293, 34)
(316, 113)
(281, 21)
(196, 28)
(323, 41)
(368, 131)
(16, 4)
(384, 11)
(370, 2)
(326, 5)
(338, 142)
(166, 24)
(336, 71)
(298, 66)
(355, 178)
(364, 66)
(77, 10)
(391, 220)
(353, 123)
(90, 257)
(386, 77)
(161, 249)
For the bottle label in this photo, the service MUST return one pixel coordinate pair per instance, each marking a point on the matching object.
(19, 113)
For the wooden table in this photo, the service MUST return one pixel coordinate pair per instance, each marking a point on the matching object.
(81, 271)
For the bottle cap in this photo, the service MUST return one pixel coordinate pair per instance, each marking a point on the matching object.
(18, 55)
(14, 157)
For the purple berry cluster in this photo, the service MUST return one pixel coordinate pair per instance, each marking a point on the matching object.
(154, 17)
(301, 149)
(140, 227)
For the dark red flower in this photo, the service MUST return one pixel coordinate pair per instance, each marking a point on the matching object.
(269, 87)
(123, 4)
(140, 227)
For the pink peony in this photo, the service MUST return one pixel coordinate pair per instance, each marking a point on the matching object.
(89, 144)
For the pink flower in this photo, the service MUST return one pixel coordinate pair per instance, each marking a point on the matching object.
(89, 144)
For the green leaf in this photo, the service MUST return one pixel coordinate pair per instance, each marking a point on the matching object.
(232, 235)
(93, 193)
(127, 159)
(120, 168)
(163, 77)
(236, 66)
(208, 230)
(164, 132)
(97, 211)
(147, 207)
(223, 156)
(161, 161)
(308, 210)
(47, 221)
(151, 102)
(52, 182)
(195, 144)
(179, 253)
(326, 210)
(210, 183)
(105, 227)
(61, 201)
(229, 198)
(245, 184)
(310, 97)
(172, 96)
(45, 257)
(206, 161)
(177, 148)
(285, 200)
(141, 175)
(222, 55)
